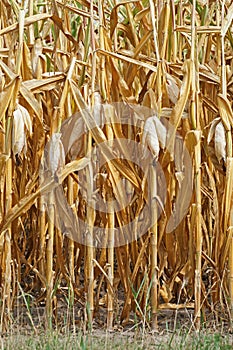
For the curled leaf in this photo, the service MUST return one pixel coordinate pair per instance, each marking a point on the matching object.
(212, 129)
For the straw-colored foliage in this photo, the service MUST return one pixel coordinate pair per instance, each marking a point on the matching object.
(56, 59)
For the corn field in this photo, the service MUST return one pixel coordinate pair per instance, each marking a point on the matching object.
(111, 60)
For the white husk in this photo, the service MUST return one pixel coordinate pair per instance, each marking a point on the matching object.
(36, 53)
(18, 132)
(56, 153)
(154, 135)
(172, 89)
(26, 118)
(161, 132)
(220, 142)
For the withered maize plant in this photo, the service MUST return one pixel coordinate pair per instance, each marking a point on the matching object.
(110, 59)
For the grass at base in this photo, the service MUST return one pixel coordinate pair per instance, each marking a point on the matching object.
(117, 340)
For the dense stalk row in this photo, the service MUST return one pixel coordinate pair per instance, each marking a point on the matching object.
(83, 215)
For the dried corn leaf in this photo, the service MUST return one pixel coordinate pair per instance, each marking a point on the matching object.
(5, 98)
(60, 24)
(78, 10)
(227, 20)
(31, 100)
(128, 59)
(3, 160)
(212, 129)
(28, 21)
(114, 16)
(138, 17)
(39, 85)
(26, 202)
(225, 111)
